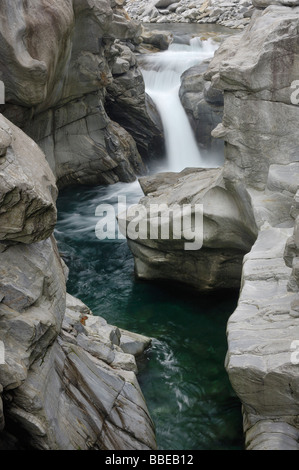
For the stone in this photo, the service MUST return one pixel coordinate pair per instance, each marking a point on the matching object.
(28, 189)
(203, 104)
(263, 329)
(63, 107)
(261, 360)
(129, 105)
(163, 3)
(159, 39)
(194, 11)
(32, 307)
(266, 3)
(134, 343)
(217, 265)
(97, 400)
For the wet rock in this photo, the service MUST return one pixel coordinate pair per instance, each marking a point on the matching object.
(108, 411)
(203, 104)
(261, 169)
(226, 235)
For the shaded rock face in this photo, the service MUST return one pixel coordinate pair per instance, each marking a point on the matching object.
(129, 105)
(204, 106)
(56, 80)
(68, 379)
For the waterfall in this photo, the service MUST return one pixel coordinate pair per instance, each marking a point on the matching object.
(162, 75)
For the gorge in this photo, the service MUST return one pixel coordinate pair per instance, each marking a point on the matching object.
(81, 121)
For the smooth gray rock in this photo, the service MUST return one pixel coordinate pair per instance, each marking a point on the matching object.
(259, 362)
(32, 308)
(133, 343)
(203, 104)
(260, 170)
(159, 39)
(226, 235)
(76, 400)
(59, 97)
(27, 188)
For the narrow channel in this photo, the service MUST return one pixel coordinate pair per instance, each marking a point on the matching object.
(182, 375)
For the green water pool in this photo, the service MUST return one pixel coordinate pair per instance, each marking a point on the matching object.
(182, 375)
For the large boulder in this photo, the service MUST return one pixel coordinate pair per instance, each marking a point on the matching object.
(226, 234)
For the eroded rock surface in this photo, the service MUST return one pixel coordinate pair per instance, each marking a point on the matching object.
(257, 72)
(56, 83)
(83, 392)
(226, 235)
(68, 379)
(204, 106)
(27, 188)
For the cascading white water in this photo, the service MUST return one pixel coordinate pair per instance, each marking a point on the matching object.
(162, 75)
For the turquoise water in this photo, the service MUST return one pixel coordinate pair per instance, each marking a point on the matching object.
(182, 375)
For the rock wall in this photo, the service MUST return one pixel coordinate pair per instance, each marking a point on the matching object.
(203, 104)
(56, 78)
(259, 124)
(68, 379)
(253, 201)
(233, 14)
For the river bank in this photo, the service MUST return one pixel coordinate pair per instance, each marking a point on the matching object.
(232, 14)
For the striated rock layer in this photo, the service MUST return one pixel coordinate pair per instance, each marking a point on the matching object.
(68, 379)
(58, 62)
(250, 205)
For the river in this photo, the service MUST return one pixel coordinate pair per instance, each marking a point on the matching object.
(182, 375)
